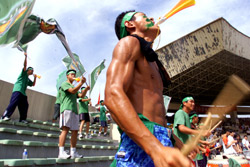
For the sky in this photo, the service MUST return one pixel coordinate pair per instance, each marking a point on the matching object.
(89, 30)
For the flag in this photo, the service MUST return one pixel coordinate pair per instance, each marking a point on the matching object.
(34, 25)
(76, 65)
(31, 30)
(166, 100)
(61, 78)
(94, 75)
(99, 97)
(13, 15)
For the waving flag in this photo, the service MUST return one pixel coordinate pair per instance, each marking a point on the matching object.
(94, 75)
(76, 65)
(31, 30)
(13, 15)
(34, 25)
(61, 78)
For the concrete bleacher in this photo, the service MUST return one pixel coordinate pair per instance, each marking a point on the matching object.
(41, 140)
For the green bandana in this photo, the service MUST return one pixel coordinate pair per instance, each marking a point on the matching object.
(127, 17)
(30, 68)
(186, 99)
(71, 72)
(191, 118)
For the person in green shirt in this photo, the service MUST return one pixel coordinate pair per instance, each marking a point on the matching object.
(57, 106)
(103, 121)
(84, 113)
(194, 119)
(182, 127)
(69, 118)
(19, 97)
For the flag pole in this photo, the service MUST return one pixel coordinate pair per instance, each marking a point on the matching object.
(90, 84)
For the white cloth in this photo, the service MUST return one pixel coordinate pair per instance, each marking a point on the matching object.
(245, 142)
(231, 150)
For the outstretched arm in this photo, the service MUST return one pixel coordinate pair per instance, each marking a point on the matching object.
(83, 93)
(25, 62)
(119, 78)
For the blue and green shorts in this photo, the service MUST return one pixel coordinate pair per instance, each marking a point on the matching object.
(131, 155)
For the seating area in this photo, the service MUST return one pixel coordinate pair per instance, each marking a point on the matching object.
(41, 141)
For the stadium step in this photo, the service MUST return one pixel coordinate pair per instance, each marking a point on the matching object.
(12, 149)
(45, 127)
(97, 161)
(41, 141)
(10, 133)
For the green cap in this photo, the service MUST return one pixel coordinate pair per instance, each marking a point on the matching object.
(128, 16)
(185, 100)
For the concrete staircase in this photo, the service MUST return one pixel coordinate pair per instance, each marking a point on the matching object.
(41, 140)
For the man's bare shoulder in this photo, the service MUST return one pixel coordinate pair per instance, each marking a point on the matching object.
(128, 47)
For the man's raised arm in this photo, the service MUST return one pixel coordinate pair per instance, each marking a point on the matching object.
(25, 62)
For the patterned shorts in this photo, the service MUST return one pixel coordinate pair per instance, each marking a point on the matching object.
(131, 155)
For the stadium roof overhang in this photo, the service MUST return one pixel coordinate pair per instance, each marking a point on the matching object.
(200, 63)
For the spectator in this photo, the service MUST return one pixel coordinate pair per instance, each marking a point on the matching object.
(182, 127)
(84, 113)
(19, 97)
(57, 106)
(69, 118)
(229, 143)
(133, 95)
(245, 143)
(194, 119)
(103, 121)
(238, 144)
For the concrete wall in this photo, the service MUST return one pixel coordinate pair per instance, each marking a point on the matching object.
(41, 106)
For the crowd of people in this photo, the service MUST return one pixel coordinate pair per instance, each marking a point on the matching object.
(65, 108)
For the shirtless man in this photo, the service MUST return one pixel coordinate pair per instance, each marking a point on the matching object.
(133, 95)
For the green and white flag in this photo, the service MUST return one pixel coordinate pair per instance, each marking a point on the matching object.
(61, 78)
(13, 15)
(94, 75)
(166, 100)
(76, 65)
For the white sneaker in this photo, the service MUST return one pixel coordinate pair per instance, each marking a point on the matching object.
(80, 136)
(6, 118)
(76, 155)
(99, 134)
(64, 155)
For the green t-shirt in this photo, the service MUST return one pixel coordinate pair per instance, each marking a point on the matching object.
(58, 97)
(83, 106)
(102, 113)
(181, 118)
(22, 82)
(68, 100)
